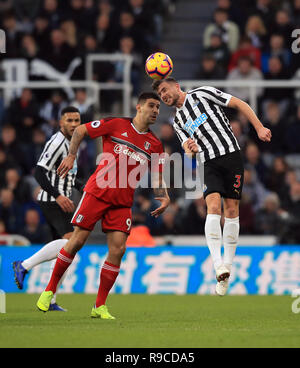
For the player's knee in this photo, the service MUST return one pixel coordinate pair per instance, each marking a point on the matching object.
(118, 250)
(232, 212)
(214, 208)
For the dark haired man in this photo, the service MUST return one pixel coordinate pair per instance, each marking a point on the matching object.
(202, 127)
(54, 196)
(129, 149)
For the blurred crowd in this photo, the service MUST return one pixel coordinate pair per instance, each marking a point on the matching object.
(244, 40)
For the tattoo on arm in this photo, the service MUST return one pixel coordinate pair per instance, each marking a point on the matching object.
(75, 142)
(160, 192)
(159, 186)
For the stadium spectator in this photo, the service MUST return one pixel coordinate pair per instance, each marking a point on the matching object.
(295, 13)
(61, 53)
(246, 49)
(218, 49)
(244, 71)
(256, 30)
(253, 188)
(264, 9)
(127, 47)
(236, 15)
(10, 211)
(278, 127)
(33, 230)
(168, 138)
(228, 30)
(23, 115)
(280, 95)
(35, 150)
(254, 160)
(5, 164)
(6, 5)
(128, 28)
(103, 33)
(68, 27)
(247, 215)
(276, 178)
(26, 11)
(29, 47)
(269, 219)
(50, 112)
(282, 24)
(237, 129)
(292, 141)
(84, 104)
(50, 10)
(12, 148)
(41, 31)
(195, 216)
(16, 183)
(210, 70)
(276, 48)
(13, 35)
(170, 224)
(77, 12)
(293, 209)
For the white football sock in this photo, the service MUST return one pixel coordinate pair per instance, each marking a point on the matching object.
(47, 253)
(213, 236)
(230, 239)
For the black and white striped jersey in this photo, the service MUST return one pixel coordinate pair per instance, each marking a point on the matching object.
(55, 150)
(202, 118)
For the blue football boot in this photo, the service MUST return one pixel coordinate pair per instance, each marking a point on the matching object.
(56, 307)
(19, 272)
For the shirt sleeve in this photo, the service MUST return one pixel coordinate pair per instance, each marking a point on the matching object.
(215, 95)
(40, 175)
(99, 128)
(51, 154)
(181, 133)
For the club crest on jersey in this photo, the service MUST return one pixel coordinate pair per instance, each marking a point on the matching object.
(147, 145)
(79, 218)
(95, 124)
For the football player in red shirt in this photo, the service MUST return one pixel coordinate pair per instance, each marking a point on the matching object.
(129, 148)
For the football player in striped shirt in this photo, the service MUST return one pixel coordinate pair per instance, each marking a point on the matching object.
(203, 128)
(54, 197)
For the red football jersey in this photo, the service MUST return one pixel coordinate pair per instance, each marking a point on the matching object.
(127, 154)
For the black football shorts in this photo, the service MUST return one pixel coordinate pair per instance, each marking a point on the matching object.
(224, 175)
(58, 220)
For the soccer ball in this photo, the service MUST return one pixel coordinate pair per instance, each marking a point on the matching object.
(159, 66)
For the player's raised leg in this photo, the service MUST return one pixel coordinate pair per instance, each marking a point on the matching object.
(64, 259)
(116, 241)
(47, 253)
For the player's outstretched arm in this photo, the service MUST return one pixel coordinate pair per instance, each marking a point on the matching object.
(160, 194)
(263, 133)
(68, 162)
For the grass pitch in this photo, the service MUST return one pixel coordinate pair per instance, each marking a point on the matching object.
(152, 321)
